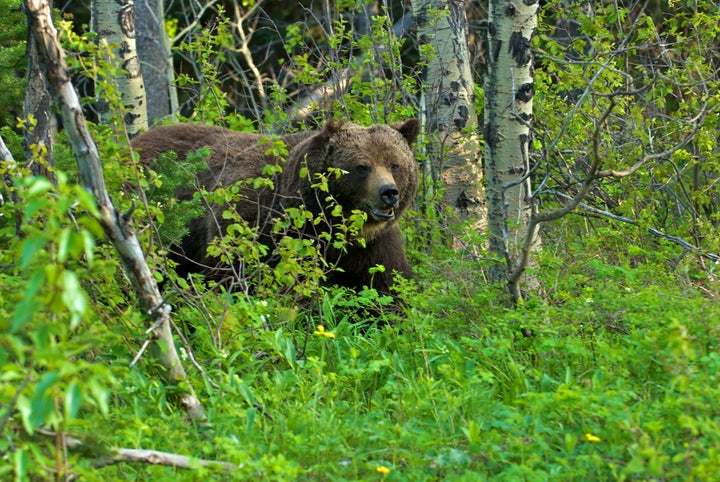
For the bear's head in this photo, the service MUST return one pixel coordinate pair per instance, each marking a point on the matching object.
(380, 175)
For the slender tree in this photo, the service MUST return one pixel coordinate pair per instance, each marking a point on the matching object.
(114, 22)
(449, 106)
(37, 104)
(117, 226)
(509, 91)
(153, 49)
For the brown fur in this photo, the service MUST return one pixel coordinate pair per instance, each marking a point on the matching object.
(380, 167)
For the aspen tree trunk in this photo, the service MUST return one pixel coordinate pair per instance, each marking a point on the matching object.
(117, 226)
(451, 117)
(153, 49)
(509, 90)
(37, 104)
(114, 22)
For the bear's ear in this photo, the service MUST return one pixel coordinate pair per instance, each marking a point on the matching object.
(320, 143)
(409, 130)
(334, 126)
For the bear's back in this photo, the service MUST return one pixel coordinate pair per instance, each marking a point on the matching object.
(234, 156)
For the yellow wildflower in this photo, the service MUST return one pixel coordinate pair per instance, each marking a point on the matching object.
(592, 438)
(320, 331)
(382, 470)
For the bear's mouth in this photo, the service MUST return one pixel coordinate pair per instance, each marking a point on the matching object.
(381, 214)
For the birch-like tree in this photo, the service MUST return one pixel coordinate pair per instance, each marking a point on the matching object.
(117, 226)
(449, 107)
(37, 104)
(114, 22)
(509, 91)
(153, 49)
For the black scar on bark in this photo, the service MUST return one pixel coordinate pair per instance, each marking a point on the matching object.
(530, 2)
(525, 117)
(525, 147)
(524, 140)
(491, 135)
(496, 46)
(519, 48)
(525, 92)
(461, 120)
(510, 10)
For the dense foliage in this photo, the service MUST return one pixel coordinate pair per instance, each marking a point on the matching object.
(611, 373)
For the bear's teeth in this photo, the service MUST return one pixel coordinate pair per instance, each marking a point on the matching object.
(382, 215)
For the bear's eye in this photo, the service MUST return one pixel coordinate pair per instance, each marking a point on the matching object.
(394, 167)
(363, 170)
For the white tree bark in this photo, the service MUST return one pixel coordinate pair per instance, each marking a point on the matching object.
(451, 116)
(117, 227)
(114, 22)
(509, 91)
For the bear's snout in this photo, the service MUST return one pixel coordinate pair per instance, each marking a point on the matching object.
(389, 194)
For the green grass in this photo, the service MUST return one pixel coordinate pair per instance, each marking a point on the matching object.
(615, 377)
(612, 374)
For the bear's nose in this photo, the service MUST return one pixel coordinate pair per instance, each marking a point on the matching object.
(389, 194)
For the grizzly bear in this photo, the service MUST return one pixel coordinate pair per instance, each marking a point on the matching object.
(379, 177)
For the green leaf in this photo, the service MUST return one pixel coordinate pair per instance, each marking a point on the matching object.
(101, 395)
(87, 201)
(64, 244)
(73, 297)
(26, 308)
(40, 185)
(21, 462)
(73, 400)
(89, 246)
(41, 404)
(30, 248)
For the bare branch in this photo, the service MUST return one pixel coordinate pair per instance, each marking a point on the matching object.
(673, 239)
(244, 49)
(696, 123)
(153, 457)
(339, 85)
(197, 17)
(536, 219)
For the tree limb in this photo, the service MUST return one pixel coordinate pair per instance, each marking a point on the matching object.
(153, 457)
(117, 227)
(244, 49)
(696, 124)
(687, 246)
(513, 279)
(302, 109)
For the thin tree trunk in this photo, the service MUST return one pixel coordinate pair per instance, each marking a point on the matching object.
(509, 91)
(117, 227)
(452, 121)
(8, 164)
(37, 104)
(155, 58)
(114, 22)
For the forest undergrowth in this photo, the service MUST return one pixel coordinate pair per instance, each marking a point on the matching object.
(611, 374)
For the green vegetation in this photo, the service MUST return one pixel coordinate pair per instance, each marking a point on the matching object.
(615, 376)
(611, 372)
